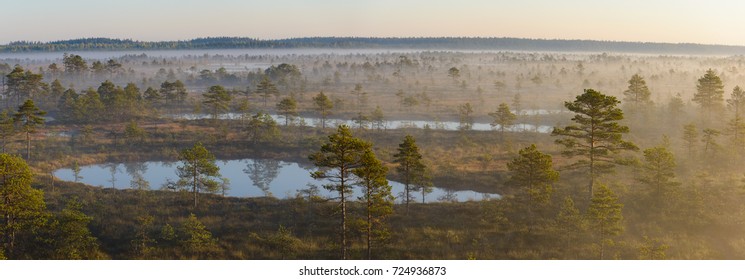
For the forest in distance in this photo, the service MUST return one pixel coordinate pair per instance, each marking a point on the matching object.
(643, 161)
(425, 43)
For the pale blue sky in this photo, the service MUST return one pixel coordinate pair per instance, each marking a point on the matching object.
(696, 21)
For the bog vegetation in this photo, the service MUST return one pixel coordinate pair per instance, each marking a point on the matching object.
(644, 160)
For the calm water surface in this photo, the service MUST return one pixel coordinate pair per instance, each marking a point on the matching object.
(246, 178)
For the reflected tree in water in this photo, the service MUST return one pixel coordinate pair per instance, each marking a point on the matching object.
(136, 171)
(113, 169)
(262, 172)
(449, 196)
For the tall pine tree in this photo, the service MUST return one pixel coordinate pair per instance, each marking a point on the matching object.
(533, 172)
(339, 157)
(604, 215)
(597, 137)
(410, 167)
(377, 199)
(29, 117)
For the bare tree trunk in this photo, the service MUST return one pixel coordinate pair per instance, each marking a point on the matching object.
(195, 186)
(369, 224)
(406, 191)
(28, 146)
(343, 221)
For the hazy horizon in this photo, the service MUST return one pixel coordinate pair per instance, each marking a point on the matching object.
(694, 21)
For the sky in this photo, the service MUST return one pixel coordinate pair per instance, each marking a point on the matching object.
(672, 21)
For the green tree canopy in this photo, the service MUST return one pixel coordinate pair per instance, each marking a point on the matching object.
(196, 240)
(218, 99)
(199, 171)
(377, 118)
(7, 130)
(605, 217)
(597, 136)
(22, 208)
(637, 93)
(502, 118)
(338, 158)
(266, 88)
(690, 138)
(323, 105)
(262, 128)
(173, 91)
(288, 108)
(737, 100)
(466, 116)
(283, 72)
(377, 198)
(22, 83)
(410, 167)
(658, 172)
(74, 64)
(361, 96)
(533, 172)
(709, 92)
(73, 239)
(29, 117)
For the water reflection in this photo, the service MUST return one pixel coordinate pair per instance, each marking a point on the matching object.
(113, 170)
(439, 125)
(243, 178)
(262, 172)
(136, 171)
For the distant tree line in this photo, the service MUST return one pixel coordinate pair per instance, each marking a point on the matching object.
(371, 42)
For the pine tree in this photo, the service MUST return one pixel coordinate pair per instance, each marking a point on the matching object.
(571, 223)
(637, 93)
(604, 215)
(74, 241)
(709, 92)
(266, 88)
(710, 141)
(361, 96)
(690, 137)
(597, 137)
(198, 171)
(152, 96)
(173, 91)
(288, 108)
(134, 134)
(68, 106)
(410, 167)
(323, 106)
(23, 84)
(466, 119)
(29, 117)
(341, 154)
(361, 120)
(76, 171)
(736, 126)
(533, 172)
(503, 117)
(218, 99)
(89, 107)
(377, 199)
(7, 130)
(658, 172)
(736, 130)
(377, 118)
(737, 100)
(22, 208)
(56, 89)
(196, 240)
